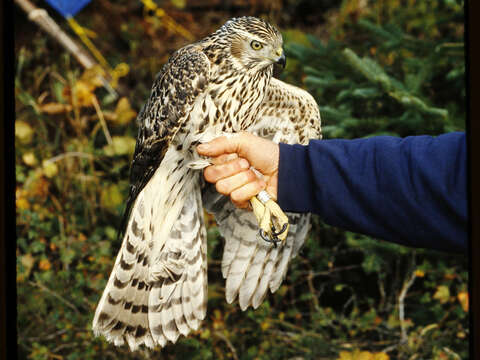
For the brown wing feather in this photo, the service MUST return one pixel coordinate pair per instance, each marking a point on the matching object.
(170, 102)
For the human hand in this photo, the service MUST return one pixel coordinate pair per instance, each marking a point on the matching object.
(232, 158)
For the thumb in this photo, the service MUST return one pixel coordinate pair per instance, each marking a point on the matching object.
(223, 145)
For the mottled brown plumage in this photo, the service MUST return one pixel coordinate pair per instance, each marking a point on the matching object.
(222, 84)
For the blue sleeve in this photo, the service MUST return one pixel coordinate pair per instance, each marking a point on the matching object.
(411, 191)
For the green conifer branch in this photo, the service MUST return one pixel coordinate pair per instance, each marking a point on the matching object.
(374, 73)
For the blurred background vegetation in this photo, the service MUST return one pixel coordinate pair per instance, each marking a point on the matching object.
(375, 67)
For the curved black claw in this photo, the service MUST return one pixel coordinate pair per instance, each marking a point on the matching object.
(271, 239)
(276, 234)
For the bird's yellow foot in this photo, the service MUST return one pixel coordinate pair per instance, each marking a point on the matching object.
(272, 220)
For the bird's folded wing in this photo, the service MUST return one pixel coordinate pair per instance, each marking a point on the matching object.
(176, 88)
(162, 201)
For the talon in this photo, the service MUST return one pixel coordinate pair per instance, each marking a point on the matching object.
(270, 239)
(265, 237)
(276, 234)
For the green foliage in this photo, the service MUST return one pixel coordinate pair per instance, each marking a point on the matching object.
(380, 80)
(390, 67)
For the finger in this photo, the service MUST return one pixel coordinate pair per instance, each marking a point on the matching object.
(222, 159)
(242, 205)
(223, 145)
(215, 173)
(227, 185)
(246, 192)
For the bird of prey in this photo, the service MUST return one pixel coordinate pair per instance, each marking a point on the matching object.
(220, 85)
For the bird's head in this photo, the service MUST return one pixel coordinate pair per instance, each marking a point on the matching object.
(254, 43)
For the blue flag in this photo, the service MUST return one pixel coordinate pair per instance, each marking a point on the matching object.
(68, 7)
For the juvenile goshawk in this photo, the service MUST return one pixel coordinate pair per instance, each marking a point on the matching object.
(220, 85)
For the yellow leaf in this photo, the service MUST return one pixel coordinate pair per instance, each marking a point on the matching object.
(22, 204)
(463, 299)
(264, 325)
(180, 4)
(27, 261)
(428, 328)
(364, 355)
(55, 108)
(121, 145)
(442, 294)
(83, 90)
(44, 265)
(39, 188)
(83, 94)
(50, 169)
(92, 77)
(23, 132)
(21, 200)
(123, 112)
(381, 356)
(217, 314)
(345, 355)
(393, 321)
(450, 276)
(111, 197)
(419, 273)
(29, 159)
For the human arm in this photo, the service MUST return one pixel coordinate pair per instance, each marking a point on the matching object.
(410, 191)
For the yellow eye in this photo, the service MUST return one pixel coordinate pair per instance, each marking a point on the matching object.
(256, 45)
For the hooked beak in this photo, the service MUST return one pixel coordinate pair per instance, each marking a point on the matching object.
(282, 60)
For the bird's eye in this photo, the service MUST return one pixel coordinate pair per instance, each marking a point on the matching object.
(256, 45)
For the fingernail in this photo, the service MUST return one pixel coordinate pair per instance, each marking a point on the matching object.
(244, 164)
(203, 147)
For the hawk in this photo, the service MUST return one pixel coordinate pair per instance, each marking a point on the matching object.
(217, 86)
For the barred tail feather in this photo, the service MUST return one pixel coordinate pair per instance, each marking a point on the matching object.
(177, 303)
(122, 311)
(157, 290)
